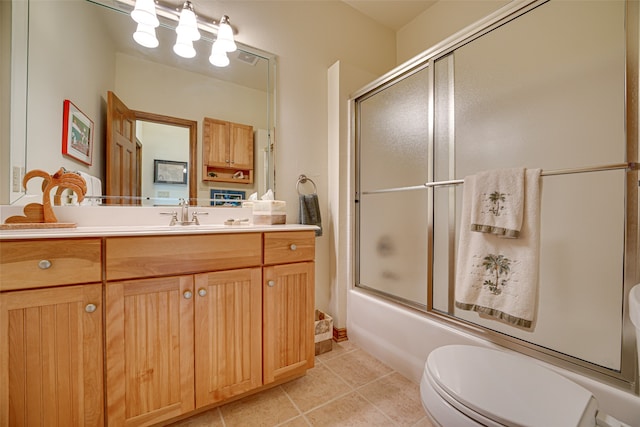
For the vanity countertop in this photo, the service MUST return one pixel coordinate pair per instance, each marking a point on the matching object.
(111, 221)
(141, 230)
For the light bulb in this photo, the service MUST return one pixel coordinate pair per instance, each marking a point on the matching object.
(145, 35)
(187, 23)
(218, 55)
(225, 35)
(145, 13)
(184, 46)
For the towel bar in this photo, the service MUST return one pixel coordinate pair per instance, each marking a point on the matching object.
(630, 166)
(302, 179)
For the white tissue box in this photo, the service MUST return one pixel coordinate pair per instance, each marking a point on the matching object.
(268, 212)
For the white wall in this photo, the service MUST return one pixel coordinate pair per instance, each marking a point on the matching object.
(344, 78)
(162, 142)
(440, 21)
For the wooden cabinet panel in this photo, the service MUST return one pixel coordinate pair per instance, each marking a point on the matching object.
(51, 358)
(42, 263)
(289, 246)
(149, 350)
(241, 146)
(216, 148)
(288, 316)
(227, 148)
(228, 331)
(130, 257)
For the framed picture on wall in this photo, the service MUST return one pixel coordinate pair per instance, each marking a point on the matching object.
(169, 172)
(77, 133)
(227, 197)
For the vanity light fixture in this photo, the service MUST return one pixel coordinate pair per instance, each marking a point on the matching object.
(218, 56)
(225, 35)
(145, 35)
(188, 24)
(144, 13)
(187, 32)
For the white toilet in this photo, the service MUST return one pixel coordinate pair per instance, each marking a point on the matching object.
(467, 386)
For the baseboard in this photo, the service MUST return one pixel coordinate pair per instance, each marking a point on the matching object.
(340, 334)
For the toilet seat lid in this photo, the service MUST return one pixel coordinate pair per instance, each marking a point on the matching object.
(523, 394)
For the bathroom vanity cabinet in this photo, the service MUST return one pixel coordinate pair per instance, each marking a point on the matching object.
(227, 149)
(288, 297)
(191, 321)
(51, 333)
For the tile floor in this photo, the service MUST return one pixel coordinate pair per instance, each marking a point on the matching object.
(347, 387)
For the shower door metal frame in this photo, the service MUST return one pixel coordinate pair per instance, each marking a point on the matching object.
(627, 377)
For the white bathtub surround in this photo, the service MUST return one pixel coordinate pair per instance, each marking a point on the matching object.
(403, 339)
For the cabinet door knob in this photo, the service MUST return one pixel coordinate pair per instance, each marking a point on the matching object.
(90, 308)
(293, 247)
(271, 283)
(44, 264)
(187, 294)
(202, 292)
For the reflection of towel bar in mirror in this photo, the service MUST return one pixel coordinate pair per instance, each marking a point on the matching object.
(302, 179)
(630, 166)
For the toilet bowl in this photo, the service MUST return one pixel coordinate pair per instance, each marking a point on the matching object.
(466, 386)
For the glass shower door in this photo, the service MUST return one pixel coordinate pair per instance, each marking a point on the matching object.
(393, 125)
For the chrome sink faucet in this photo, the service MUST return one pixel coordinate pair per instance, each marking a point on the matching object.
(184, 215)
(184, 211)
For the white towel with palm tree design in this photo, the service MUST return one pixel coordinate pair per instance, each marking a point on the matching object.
(497, 202)
(499, 277)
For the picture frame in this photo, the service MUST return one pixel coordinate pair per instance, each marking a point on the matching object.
(227, 197)
(170, 172)
(77, 134)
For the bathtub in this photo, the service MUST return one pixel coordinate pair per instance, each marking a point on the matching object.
(402, 339)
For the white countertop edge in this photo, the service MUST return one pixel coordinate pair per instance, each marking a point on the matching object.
(152, 230)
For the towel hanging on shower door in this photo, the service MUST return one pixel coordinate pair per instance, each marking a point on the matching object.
(499, 277)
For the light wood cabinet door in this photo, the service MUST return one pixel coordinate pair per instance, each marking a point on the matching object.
(149, 354)
(51, 357)
(288, 316)
(241, 146)
(215, 135)
(228, 331)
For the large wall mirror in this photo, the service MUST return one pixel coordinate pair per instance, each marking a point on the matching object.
(80, 50)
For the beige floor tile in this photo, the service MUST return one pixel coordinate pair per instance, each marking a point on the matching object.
(351, 410)
(210, 418)
(338, 349)
(397, 397)
(296, 422)
(317, 387)
(424, 423)
(357, 368)
(265, 409)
